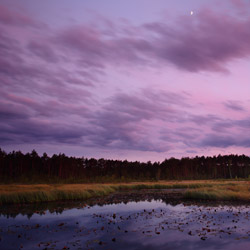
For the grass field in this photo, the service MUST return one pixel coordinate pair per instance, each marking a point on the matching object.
(207, 190)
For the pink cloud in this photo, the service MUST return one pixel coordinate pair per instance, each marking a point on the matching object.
(12, 17)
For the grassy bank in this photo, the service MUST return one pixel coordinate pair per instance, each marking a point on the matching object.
(235, 191)
(224, 190)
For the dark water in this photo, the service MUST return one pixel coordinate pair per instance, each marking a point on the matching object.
(136, 225)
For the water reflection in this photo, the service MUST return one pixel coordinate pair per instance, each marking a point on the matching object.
(117, 223)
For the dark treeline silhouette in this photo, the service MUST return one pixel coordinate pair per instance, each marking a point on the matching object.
(30, 168)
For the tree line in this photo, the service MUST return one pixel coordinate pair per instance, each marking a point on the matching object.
(30, 167)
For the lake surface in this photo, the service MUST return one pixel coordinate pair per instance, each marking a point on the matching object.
(153, 224)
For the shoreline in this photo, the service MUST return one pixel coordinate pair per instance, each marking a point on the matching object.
(192, 190)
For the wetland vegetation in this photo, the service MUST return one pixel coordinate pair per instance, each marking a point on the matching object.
(198, 190)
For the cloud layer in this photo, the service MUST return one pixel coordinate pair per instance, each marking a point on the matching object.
(59, 85)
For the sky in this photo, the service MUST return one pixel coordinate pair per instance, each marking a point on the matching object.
(136, 79)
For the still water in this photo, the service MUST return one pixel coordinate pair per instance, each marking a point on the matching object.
(147, 225)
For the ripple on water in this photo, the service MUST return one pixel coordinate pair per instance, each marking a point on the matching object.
(134, 225)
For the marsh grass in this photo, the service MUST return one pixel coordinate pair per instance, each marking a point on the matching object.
(229, 191)
(223, 190)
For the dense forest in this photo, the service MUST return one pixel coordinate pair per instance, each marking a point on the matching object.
(29, 168)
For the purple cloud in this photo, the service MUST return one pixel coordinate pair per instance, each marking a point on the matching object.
(204, 120)
(43, 51)
(214, 140)
(10, 17)
(221, 141)
(126, 121)
(206, 42)
(115, 87)
(234, 105)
